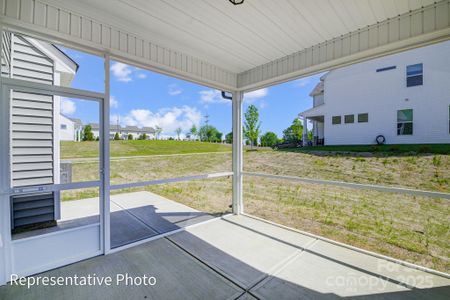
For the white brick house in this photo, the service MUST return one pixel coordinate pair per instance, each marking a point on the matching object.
(405, 97)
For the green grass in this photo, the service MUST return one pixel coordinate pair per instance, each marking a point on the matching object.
(139, 148)
(388, 149)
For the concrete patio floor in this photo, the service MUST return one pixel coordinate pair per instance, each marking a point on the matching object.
(241, 257)
(134, 216)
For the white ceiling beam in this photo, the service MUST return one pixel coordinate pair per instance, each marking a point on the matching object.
(417, 28)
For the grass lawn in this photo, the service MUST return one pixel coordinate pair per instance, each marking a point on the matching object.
(415, 229)
(139, 148)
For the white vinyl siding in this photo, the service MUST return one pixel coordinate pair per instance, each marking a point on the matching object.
(29, 63)
(6, 51)
(31, 114)
(32, 139)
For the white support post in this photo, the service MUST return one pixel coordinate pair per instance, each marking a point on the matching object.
(5, 179)
(238, 207)
(305, 131)
(105, 166)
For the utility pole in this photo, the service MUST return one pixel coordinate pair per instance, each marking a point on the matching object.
(206, 119)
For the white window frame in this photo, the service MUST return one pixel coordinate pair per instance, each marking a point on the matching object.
(406, 122)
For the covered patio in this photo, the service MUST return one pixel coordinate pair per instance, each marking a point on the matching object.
(243, 257)
(233, 47)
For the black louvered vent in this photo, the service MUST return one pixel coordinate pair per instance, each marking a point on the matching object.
(32, 211)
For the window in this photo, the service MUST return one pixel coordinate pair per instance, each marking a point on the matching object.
(336, 120)
(414, 75)
(349, 119)
(405, 122)
(363, 118)
(63, 126)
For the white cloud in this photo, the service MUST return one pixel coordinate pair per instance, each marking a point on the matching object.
(212, 96)
(141, 76)
(68, 107)
(302, 82)
(113, 103)
(255, 95)
(169, 119)
(174, 90)
(121, 72)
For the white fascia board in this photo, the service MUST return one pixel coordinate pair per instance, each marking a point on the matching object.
(314, 111)
(62, 62)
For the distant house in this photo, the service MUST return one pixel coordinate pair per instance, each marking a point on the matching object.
(403, 97)
(123, 132)
(70, 129)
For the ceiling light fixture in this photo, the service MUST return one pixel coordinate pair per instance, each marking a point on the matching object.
(236, 2)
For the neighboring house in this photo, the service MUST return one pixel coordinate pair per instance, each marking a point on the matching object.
(130, 130)
(123, 132)
(405, 97)
(35, 123)
(69, 129)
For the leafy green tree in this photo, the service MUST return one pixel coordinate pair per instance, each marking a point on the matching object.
(294, 132)
(116, 136)
(130, 136)
(269, 139)
(310, 135)
(252, 125)
(143, 136)
(218, 137)
(178, 131)
(88, 135)
(209, 133)
(193, 131)
(229, 138)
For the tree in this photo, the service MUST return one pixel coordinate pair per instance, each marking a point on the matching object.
(218, 136)
(130, 136)
(310, 135)
(208, 133)
(143, 136)
(229, 138)
(88, 135)
(158, 131)
(251, 125)
(178, 131)
(269, 139)
(116, 136)
(193, 131)
(294, 132)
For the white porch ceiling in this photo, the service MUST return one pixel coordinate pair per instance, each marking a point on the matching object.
(244, 47)
(239, 38)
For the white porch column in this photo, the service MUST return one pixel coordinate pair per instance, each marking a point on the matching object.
(238, 206)
(105, 163)
(305, 131)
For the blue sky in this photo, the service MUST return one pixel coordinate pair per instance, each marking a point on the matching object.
(144, 98)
